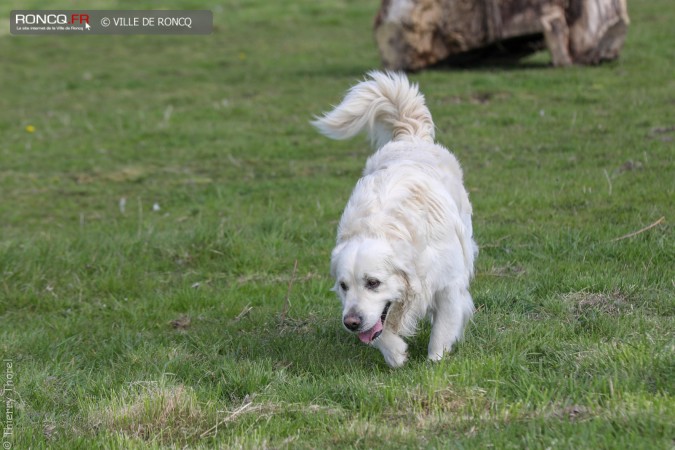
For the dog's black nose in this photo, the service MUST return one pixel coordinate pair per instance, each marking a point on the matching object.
(352, 321)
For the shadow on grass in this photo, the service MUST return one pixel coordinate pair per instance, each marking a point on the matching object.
(314, 346)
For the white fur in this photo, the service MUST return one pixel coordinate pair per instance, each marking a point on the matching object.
(407, 223)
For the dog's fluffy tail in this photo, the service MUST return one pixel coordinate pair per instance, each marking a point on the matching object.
(386, 105)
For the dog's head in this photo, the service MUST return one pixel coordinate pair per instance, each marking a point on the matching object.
(370, 276)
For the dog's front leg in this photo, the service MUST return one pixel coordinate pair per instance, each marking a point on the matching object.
(393, 348)
(453, 308)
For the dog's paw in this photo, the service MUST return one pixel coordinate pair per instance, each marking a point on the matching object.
(435, 357)
(393, 348)
(436, 353)
(394, 359)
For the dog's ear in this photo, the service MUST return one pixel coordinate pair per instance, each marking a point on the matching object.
(335, 258)
(403, 263)
(402, 316)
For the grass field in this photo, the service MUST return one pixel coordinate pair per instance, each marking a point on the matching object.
(156, 192)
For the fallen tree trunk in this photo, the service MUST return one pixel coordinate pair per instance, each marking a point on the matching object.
(413, 34)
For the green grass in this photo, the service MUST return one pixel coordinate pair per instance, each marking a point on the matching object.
(146, 329)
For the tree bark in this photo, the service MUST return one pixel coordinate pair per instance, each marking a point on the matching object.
(413, 34)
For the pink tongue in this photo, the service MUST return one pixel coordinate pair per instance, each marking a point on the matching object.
(368, 335)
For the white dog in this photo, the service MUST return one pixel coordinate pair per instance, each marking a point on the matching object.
(405, 245)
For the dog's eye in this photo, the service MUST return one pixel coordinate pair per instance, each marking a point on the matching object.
(372, 283)
(344, 286)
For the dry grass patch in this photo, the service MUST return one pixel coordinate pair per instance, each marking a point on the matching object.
(265, 411)
(151, 411)
(608, 303)
(172, 415)
(424, 408)
(509, 270)
(266, 278)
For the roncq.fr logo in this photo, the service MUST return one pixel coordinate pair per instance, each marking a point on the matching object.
(51, 19)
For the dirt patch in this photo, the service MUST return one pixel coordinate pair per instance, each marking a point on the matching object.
(181, 323)
(663, 134)
(571, 412)
(476, 98)
(630, 166)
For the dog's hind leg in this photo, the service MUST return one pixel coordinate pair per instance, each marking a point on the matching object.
(453, 308)
(393, 348)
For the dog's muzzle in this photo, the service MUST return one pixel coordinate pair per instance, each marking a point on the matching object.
(370, 335)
